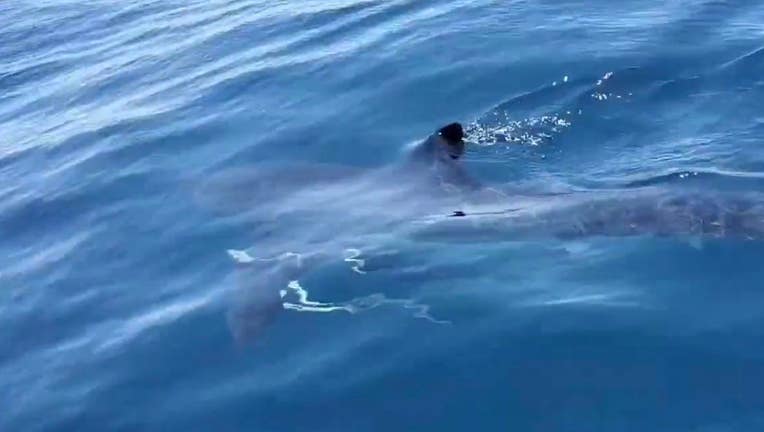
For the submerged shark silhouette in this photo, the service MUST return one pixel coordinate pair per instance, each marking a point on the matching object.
(321, 211)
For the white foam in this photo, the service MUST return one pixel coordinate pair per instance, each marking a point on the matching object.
(351, 256)
(356, 305)
(240, 256)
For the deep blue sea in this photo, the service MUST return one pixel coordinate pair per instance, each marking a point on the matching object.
(190, 239)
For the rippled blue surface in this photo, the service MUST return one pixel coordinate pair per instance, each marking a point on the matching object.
(121, 309)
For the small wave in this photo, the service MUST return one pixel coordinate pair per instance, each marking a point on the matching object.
(137, 325)
(749, 65)
(610, 299)
(519, 120)
(716, 176)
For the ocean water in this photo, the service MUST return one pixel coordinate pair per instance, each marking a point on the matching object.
(191, 240)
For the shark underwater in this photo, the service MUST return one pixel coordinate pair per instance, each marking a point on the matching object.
(307, 215)
(430, 195)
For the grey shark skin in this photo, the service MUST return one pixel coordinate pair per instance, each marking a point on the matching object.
(651, 211)
(322, 210)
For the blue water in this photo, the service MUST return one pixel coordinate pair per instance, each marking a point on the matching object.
(129, 135)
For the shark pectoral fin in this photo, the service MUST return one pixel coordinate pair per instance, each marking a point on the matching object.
(695, 242)
(576, 247)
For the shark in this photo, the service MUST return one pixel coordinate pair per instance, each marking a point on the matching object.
(306, 215)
